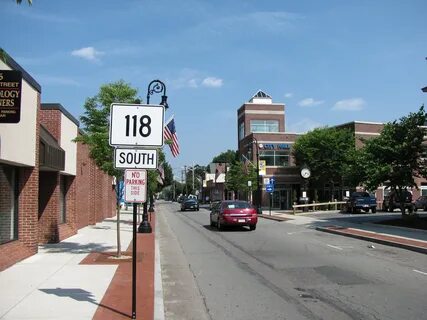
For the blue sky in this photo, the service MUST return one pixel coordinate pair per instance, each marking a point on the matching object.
(330, 62)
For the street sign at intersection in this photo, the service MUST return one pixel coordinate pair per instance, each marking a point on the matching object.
(136, 125)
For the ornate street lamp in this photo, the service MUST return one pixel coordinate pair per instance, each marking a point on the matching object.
(155, 86)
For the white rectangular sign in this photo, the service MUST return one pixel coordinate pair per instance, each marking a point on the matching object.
(135, 159)
(136, 125)
(135, 185)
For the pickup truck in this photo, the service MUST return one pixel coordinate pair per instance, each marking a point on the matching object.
(361, 201)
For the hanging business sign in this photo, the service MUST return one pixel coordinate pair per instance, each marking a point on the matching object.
(135, 159)
(10, 96)
(135, 125)
(135, 181)
(261, 167)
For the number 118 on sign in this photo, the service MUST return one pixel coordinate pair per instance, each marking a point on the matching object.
(136, 125)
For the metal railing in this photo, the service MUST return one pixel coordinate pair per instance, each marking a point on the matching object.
(320, 206)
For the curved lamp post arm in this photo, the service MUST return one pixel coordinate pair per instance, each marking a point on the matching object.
(157, 86)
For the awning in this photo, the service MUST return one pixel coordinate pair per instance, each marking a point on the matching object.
(51, 155)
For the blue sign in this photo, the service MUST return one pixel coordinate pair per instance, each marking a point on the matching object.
(269, 188)
(272, 180)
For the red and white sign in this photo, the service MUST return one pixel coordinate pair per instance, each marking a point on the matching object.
(135, 185)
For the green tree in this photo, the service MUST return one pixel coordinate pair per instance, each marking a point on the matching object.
(199, 174)
(327, 152)
(228, 156)
(96, 132)
(238, 176)
(394, 158)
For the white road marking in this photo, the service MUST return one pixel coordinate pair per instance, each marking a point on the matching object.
(424, 273)
(335, 247)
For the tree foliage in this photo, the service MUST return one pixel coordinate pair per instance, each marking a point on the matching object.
(96, 123)
(327, 152)
(394, 158)
(238, 176)
(228, 156)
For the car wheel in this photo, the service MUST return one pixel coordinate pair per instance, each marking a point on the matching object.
(197, 209)
(252, 227)
(374, 209)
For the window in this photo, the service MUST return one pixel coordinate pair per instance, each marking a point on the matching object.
(8, 204)
(241, 130)
(275, 158)
(264, 126)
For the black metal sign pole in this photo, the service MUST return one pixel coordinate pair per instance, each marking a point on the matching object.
(134, 262)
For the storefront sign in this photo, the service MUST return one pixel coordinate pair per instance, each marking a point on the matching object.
(261, 168)
(275, 146)
(10, 96)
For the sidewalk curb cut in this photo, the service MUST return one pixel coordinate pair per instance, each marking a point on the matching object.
(376, 240)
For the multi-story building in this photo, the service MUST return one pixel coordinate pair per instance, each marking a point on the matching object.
(262, 136)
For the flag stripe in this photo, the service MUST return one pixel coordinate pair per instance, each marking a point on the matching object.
(170, 134)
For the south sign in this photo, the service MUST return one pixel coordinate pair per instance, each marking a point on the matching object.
(135, 159)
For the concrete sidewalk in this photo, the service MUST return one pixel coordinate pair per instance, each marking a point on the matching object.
(406, 238)
(79, 278)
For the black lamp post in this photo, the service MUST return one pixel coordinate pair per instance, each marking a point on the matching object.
(155, 86)
(259, 210)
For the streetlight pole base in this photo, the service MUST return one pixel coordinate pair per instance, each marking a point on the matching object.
(145, 227)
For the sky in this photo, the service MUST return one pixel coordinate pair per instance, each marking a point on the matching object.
(330, 62)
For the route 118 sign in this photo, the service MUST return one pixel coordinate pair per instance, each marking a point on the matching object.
(136, 125)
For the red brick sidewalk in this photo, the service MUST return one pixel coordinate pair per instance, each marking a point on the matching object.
(396, 241)
(117, 301)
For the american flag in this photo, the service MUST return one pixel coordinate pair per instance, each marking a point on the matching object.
(170, 134)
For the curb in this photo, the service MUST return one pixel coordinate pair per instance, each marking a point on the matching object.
(280, 219)
(373, 239)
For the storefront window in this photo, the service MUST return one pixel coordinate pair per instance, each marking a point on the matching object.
(8, 204)
(275, 158)
(264, 126)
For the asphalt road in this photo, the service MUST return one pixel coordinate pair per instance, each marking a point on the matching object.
(282, 271)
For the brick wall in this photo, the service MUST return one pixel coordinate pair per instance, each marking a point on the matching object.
(69, 228)
(28, 178)
(51, 120)
(95, 196)
(49, 207)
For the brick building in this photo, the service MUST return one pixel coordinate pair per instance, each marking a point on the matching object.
(49, 186)
(262, 132)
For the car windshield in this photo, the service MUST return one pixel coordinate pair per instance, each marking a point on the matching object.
(237, 205)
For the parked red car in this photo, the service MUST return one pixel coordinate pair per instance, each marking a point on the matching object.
(233, 213)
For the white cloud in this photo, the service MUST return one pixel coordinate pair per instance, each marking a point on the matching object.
(310, 102)
(289, 95)
(303, 125)
(88, 53)
(212, 82)
(353, 104)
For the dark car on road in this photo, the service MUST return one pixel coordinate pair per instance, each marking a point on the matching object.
(190, 204)
(361, 201)
(421, 203)
(392, 201)
(233, 213)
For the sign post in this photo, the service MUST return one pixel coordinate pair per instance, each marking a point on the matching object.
(136, 126)
(270, 189)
